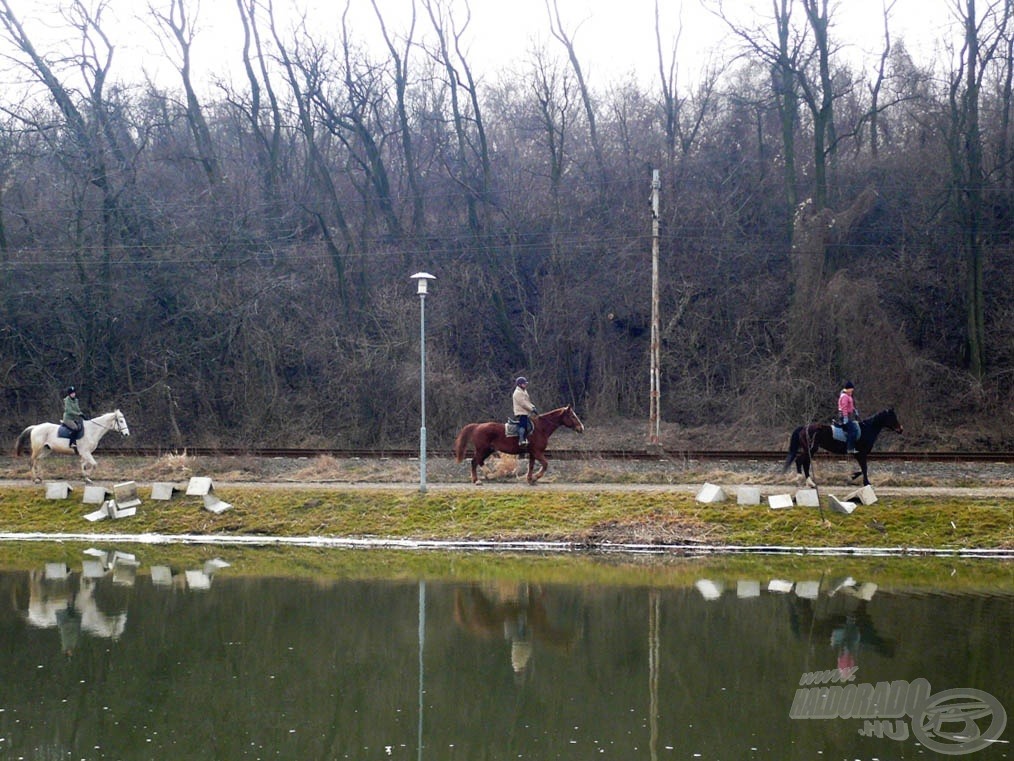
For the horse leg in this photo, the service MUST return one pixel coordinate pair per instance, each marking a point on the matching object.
(478, 460)
(543, 466)
(861, 459)
(803, 469)
(88, 464)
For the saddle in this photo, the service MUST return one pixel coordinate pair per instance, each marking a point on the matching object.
(511, 427)
(839, 433)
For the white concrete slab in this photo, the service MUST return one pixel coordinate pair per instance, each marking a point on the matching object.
(56, 571)
(807, 498)
(198, 580)
(808, 590)
(163, 491)
(710, 493)
(125, 495)
(746, 588)
(93, 569)
(780, 586)
(866, 495)
(710, 590)
(199, 486)
(845, 508)
(161, 575)
(214, 505)
(95, 495)
(779, 501)
(58, 490)
(748, 495)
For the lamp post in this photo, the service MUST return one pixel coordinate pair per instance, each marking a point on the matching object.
(421, 279)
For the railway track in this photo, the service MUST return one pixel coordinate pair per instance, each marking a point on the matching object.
(558, 454)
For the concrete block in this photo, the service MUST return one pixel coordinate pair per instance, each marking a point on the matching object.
(123, 557)
(866, 495)
(125, 495)
(779, 501)
(808, 590)
(780, 586)
(95, 495)
(710, 590)
(99, 515)
(198, 580)
(214, 565)
(56, 571)
(807, 498)
(161, 575)
(710, 493)
(214, 505)
(746, 588)
(866, 591)
(845, 508)
(93, 569)
(846, 586)
(58, 490)
(199, 486)
(125, 574)
(163, 491)
(747, 495)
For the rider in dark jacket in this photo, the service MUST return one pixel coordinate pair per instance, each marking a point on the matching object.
(73, 418)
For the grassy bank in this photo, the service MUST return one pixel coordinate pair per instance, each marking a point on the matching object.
(591, 518)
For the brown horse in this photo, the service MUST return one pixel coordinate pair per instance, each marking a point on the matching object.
(807, 439)
(486, 438)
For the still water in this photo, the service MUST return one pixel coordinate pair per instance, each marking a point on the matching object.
(130, 653)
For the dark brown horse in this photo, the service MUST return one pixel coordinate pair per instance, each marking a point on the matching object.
(807, 439)
(486, 438)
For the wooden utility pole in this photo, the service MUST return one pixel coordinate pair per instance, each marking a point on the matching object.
(653, 414)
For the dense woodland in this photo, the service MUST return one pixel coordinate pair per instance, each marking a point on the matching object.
(231, 263)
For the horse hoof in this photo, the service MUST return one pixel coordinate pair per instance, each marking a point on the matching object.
(811, 483)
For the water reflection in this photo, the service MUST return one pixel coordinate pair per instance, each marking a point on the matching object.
(515, 612)
(470, 661)
(90, 601)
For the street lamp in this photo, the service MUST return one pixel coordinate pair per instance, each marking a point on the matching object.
(421, 279)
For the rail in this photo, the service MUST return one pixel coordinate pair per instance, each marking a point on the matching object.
(555, 454)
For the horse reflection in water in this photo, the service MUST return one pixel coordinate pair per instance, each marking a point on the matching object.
(515, 612)
(840, 620)
(70, 606)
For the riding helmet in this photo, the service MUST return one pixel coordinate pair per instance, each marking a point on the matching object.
(848, 384)
(71, 390)
(521, 381)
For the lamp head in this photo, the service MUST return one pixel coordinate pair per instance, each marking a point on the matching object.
(421, 278)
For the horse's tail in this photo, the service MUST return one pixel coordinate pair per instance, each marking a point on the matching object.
(793, 449)
(461, 443)
(21, 447)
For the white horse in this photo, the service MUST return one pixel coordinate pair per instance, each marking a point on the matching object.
(45, 439)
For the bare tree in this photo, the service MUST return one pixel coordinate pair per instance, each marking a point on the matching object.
(178, 23)
(567, 40)
(399, 59)
(980, 49)
(461, 83)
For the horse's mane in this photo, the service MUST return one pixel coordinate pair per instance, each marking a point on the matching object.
(878, 416)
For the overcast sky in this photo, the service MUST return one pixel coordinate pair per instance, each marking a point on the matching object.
(613, 38)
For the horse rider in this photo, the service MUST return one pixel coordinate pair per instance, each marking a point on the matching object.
(523, 407)
(73, 418)
(848, 416)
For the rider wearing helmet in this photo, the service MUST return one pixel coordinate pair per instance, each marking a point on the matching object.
(73, 418)
(523, 407)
